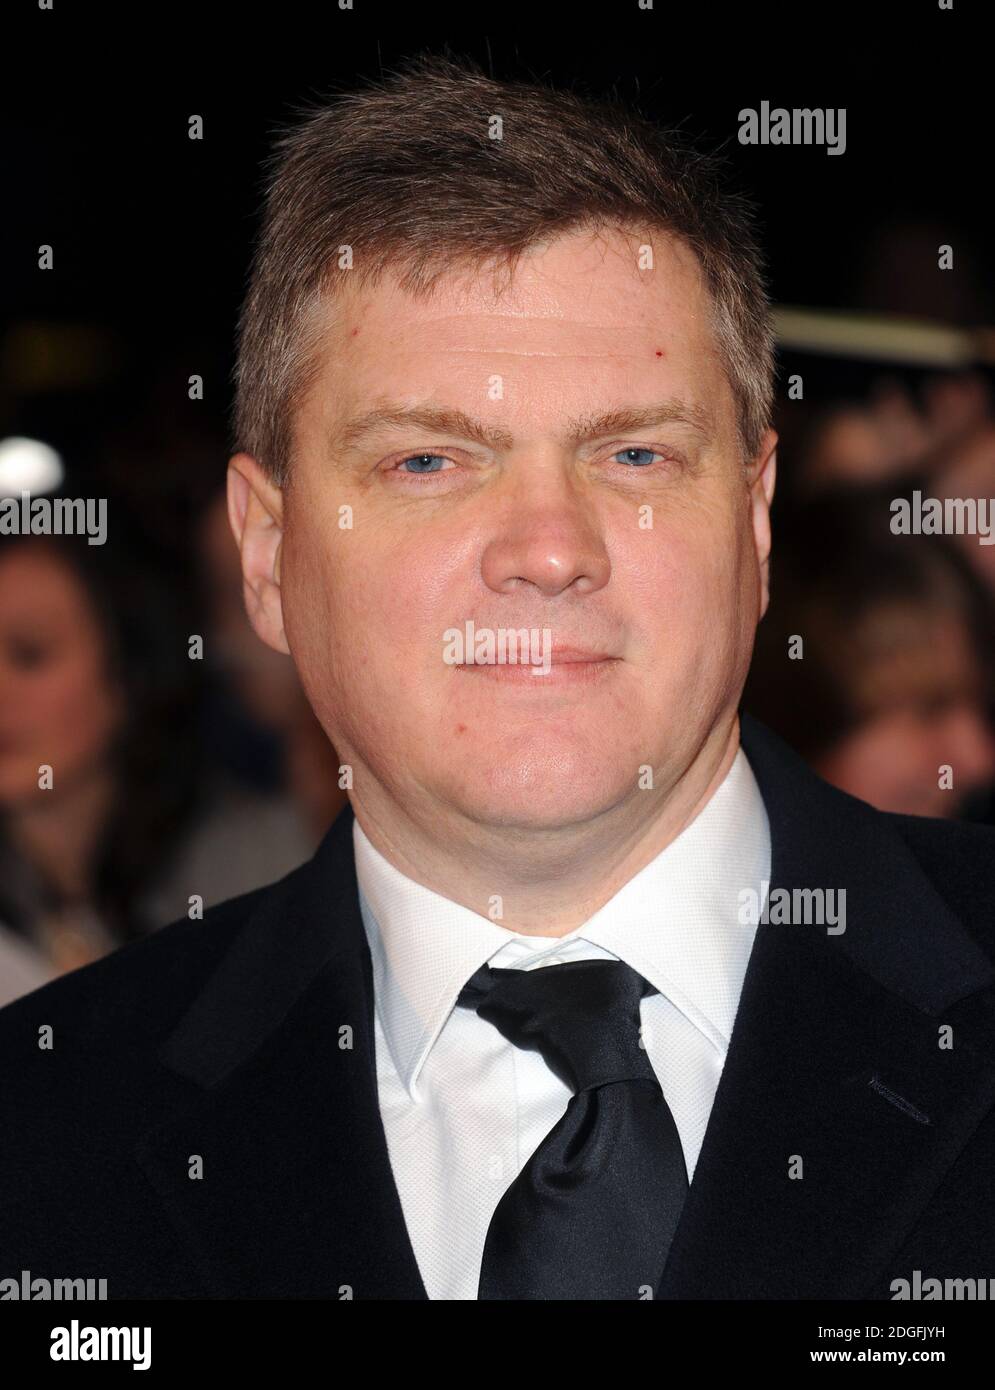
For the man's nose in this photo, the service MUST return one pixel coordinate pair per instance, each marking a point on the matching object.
(546, 534)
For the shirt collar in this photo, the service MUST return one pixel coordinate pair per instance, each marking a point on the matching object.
(677, 922)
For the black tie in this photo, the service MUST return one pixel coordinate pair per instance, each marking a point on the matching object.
(593, 1212)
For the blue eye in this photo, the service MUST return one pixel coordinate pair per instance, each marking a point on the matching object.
(637, 463)
(422, 459)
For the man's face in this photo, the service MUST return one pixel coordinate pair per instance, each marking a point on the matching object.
(640, 546)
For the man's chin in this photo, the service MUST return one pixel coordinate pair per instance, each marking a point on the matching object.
(535, 805)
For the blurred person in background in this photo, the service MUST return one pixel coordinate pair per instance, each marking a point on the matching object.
(95, 684)
(967, 469)
(893, 432)
(890, 681)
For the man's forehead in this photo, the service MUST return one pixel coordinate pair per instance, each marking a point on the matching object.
(621, 341)
(574, 283)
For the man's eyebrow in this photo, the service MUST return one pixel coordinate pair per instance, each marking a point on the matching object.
(440, 420)
(429, 418)
(628, 418)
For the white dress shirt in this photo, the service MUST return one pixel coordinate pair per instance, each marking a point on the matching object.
(463, 1109)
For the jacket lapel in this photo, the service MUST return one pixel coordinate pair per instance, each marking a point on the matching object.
(296, 1197)
(835, 1062)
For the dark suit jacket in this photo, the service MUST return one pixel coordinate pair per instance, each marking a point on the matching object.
(228, 1039)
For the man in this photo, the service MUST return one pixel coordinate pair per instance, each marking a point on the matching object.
(516, 1031)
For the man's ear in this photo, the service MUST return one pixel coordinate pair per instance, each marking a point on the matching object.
(255, 511)
(762, 475)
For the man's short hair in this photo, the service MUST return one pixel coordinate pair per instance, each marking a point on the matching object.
(407, 174)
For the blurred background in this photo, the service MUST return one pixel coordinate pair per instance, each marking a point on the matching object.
(876, 658)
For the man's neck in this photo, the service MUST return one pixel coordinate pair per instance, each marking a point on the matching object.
(547, 884)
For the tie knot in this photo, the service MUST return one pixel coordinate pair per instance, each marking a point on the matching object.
(581, 1015)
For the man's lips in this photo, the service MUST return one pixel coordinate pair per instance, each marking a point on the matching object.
(567, 665)
(559, 655)
(568, 656)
